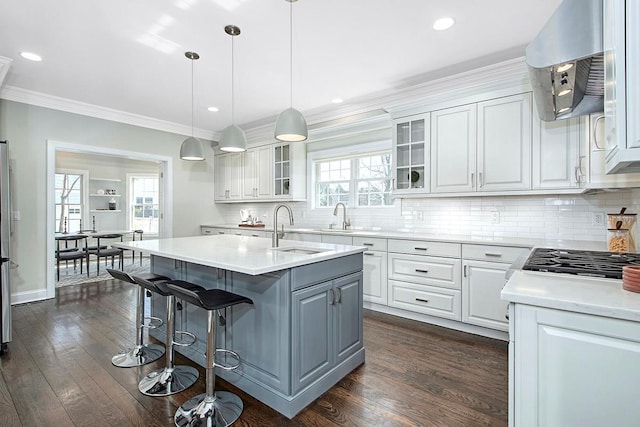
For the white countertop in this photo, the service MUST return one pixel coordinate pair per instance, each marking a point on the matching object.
(597, 296)
(249, 255)
(413, 235)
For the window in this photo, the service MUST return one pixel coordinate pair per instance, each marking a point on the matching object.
(357, 180)
(69, 206)
(144, 203)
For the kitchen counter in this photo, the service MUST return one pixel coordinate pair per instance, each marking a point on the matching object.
(241, 254)
(413, 235)
(582, 294)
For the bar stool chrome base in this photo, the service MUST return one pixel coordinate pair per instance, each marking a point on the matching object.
(221, 410)
(138, 355)
(166, 381)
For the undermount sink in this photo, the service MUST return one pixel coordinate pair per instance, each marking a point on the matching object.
(335, 230)
(304, 251)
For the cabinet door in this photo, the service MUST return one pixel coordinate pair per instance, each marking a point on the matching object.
(233, 175)
(633, 73)
(374, 280)
(556, 153)
(481, 286)
(411, 154)
(219, 177)
(504, 144)
(250, 174)
(575, 369)
(312, 334)
(348, 314)
(281, 171)
(264, 167)
(453, 149)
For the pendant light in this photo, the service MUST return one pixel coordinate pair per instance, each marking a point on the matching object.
(232, 138)
(291, 125)
(191, 148)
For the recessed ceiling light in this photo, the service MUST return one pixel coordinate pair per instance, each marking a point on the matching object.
(443, 23)
(337, 100)
(31, 56)
(213, 109)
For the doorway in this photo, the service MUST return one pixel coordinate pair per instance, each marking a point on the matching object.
(106, 204)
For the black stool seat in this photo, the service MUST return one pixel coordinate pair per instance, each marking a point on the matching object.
(126, 277)
(212, 408)
(209, 299)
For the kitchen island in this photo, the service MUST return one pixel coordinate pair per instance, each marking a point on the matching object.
(304, 331)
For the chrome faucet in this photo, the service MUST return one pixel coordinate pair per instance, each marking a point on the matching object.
(345, 220)
(277, 235)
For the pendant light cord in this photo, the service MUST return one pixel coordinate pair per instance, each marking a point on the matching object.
(291, 54)
(192, 97)
(232, 83)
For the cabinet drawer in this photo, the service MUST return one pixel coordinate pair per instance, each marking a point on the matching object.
(418, 247)
(425, 299)
(206, 231)
(427, 270)
(372, 243)
(505, 254)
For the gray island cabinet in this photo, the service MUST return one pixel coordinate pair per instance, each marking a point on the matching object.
(302, 334)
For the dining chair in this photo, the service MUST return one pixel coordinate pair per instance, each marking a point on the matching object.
(76, 253)
(103, 249)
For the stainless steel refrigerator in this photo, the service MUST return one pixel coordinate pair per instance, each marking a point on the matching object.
(5, 232)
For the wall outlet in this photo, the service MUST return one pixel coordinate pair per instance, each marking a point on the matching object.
(495, 217)
(597, 218)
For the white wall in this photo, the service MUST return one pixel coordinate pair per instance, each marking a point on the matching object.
(27, 128)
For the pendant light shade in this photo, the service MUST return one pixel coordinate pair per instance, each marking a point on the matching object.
(232, 138)
(291, 125)
(191, 148)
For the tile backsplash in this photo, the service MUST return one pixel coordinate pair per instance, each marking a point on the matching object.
(570, 217)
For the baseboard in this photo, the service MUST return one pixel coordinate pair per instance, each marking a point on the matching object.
(29, 296)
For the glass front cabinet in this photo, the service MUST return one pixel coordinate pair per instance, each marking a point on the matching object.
(411, 155)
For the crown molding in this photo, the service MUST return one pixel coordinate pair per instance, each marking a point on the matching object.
(12, 93)
(5, 63)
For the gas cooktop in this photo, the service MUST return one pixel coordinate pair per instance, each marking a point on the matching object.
(584, 263)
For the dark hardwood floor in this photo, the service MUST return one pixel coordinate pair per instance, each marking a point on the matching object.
(58, 371)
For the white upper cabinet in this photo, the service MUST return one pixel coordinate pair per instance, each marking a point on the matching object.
(258, 172)
(290, 171)
(453, 149)
(411, 155)
(557, 163)
(228, 177)
(504, 144)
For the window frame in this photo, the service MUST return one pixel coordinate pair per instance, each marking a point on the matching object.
(130, 203)
(353, 153)
(84, 195)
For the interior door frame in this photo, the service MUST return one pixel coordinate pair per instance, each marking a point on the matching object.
(166, 186)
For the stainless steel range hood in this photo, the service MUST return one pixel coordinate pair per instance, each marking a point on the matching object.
(566, 62)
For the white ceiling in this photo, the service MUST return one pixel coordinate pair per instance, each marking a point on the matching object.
(128, 55)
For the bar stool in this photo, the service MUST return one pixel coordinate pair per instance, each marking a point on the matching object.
(212, 408)
(141, 353)
(171, 379)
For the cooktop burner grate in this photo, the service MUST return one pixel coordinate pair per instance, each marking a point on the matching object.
(585, 263)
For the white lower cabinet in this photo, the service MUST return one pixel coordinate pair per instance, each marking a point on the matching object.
(573, 369)
(374, 269)
(483, 277)
(425, 284)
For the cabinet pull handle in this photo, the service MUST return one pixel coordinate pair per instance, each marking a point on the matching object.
(368, 253)
(207, 231)
(339, 295)
(367, 244)
(393, 184)
(420, 249)
(422, 300)
(493, 254)
(255, 235)
(595, 132)
(220, 232)
(473, 183)
(421, 271)
(464, 270)
(238, 234)
(506, 315)
(481, 183)
(333, 296)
